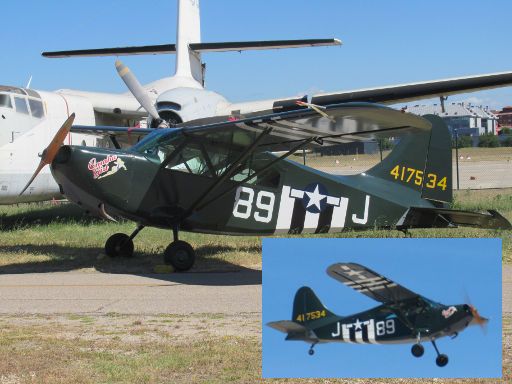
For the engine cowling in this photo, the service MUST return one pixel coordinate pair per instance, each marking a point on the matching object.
(180, 105)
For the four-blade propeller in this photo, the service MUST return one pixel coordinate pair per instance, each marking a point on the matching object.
(51, 151)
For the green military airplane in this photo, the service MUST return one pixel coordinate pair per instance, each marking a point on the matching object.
(232, 176)
(403, 316)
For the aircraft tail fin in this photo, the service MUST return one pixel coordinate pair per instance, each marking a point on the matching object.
(421, 161)
(307, 307)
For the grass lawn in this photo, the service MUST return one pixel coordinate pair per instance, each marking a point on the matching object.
(133, 349)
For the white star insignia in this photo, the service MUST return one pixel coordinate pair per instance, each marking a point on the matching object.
(358, 325)
(315, 198)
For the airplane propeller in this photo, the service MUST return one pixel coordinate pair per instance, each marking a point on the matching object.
(51, 151)
(138, 91)
(477, 318)
(481, 321)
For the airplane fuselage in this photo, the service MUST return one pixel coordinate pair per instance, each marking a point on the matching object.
(287, 198)
(381, 325)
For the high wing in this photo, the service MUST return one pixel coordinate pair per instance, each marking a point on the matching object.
(413, 91)
(332, 125)
(119, 136)
(370, 283)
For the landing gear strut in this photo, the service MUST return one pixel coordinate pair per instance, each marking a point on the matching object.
(441, 359)
(311, 350)
(417, 349)
(121, 244)
(179, 254)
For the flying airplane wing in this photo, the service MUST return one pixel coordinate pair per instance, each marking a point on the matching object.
(370, 283)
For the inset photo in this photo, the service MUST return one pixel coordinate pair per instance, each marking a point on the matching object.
(362, 308)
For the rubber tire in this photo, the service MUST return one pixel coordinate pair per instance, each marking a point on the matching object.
(441, 360)
(311, 352)
(180, 255)
(417, 350)
(118, 245)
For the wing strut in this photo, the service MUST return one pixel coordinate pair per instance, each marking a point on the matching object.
(305, 142)
(227, 173)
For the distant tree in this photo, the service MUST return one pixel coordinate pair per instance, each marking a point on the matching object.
(385, 144)
(488, 140)
(463, 141)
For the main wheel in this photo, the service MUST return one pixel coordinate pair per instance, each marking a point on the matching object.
(311, 352)
(180, 255)
(119, 244)
(417, 350)
(441, 360)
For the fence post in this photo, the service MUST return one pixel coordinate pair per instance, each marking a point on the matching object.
(457, 155)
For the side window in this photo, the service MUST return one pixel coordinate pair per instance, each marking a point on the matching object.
(270, 178)
(36, 107)
(21, 105)
(5, 101)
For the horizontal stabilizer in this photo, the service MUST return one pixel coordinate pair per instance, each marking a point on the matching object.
(119, 51)
(440, 217)
(198, 47)
(287, 326)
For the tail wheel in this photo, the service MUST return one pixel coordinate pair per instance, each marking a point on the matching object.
(441, 360)
(417, 350)
(180, 255)
(119, 244)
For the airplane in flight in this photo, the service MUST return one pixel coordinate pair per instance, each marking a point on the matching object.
(402, 317)
(30, 117)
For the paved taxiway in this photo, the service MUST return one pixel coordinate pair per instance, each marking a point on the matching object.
(81, 292)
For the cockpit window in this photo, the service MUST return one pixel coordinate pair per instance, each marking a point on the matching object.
(209, 153)
(8, 88)
(21, 105)
(5, 101)
(36, 107)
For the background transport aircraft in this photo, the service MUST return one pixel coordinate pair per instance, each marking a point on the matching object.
(29, 118)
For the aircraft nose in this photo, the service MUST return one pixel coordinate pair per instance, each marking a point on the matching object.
(63, 155)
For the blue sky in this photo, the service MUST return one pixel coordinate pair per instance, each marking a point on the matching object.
(443, 270)
(384, 43)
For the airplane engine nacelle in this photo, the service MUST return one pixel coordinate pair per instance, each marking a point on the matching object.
(185, 104)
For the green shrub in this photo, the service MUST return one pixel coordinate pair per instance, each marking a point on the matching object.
(507, 142)
(488, 140)
(463, 141)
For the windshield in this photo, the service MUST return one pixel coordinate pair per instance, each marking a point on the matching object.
(157, 145)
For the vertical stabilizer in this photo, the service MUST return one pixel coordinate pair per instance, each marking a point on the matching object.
(188, 62)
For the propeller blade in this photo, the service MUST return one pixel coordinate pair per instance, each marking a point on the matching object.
(136, 89)
(51, 151)
(477, 318)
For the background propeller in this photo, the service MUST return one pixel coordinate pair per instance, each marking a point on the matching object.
(137, 91)
(51, 151)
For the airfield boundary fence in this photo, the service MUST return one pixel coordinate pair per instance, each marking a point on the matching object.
(473, 168)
